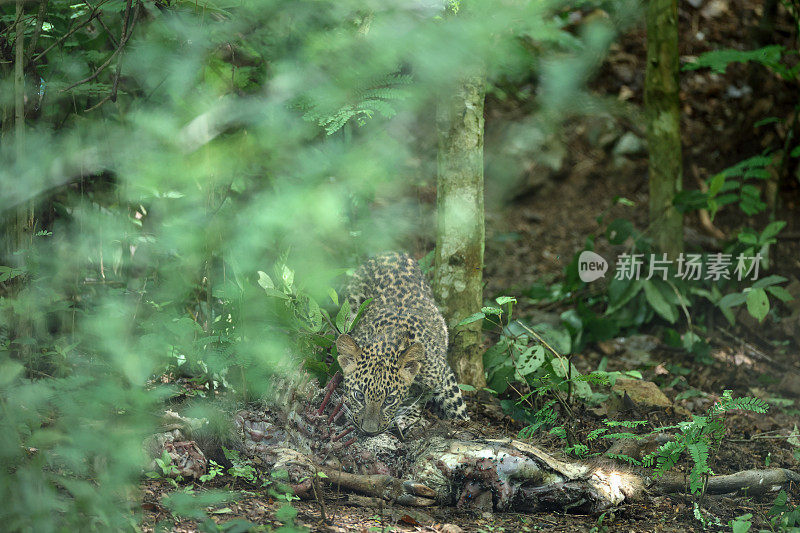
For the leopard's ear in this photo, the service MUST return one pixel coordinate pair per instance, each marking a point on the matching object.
(410, 362)
(348, 353)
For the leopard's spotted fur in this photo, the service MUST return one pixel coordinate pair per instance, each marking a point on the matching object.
(396, 359)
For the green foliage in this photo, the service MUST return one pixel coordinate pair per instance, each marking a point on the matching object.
(169, 471)
(214, 470)
(242, 470)
(718, 60)
(173, 152)
(626, 303)
(311, 327)
(741, 524)
(528, 355)
(376, 97)
(545, 418)
(774, 57)
(783, 515)
(700, 439)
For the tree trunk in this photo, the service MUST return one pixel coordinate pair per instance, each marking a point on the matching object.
(663, 125)
(21, 230)
(458, 280)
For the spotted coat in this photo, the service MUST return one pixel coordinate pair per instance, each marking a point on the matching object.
(396, 359)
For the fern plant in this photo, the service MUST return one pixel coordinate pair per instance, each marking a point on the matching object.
(700, 439)
(375, 96)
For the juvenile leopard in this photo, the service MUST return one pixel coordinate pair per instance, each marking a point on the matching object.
(396, 359)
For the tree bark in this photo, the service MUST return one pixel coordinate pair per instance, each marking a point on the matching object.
(23, 224)
(458, 274)
(663, 125)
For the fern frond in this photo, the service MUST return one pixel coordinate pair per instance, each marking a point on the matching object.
(595, 433)
(622, 436)
(625, 423)
(625, 458)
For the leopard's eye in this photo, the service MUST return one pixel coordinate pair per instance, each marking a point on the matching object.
(358, 395)
(390, 399)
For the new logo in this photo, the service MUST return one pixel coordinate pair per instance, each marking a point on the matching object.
(591, 266)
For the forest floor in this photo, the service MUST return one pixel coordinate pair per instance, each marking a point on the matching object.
(534, 235)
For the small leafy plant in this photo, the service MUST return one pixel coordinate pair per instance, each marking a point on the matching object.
(314, 331)
(700, 439)
(783, 515)
(169, 471)
(526, 355)
(214, 470)
(274, 483)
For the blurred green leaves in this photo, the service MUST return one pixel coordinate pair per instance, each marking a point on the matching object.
(225, 139)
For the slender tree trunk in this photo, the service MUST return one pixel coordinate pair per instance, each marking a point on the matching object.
(19, 78)
(24, 214)
(458, 276)
(663, 125)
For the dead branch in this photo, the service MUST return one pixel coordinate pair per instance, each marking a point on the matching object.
(383, 486)
(749, 482)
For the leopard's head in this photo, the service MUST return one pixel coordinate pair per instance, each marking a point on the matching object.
(377, 376)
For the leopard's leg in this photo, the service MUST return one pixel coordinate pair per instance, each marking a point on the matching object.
(407, 417)
(448, 399)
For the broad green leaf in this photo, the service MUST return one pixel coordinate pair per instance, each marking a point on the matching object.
(287, 274)
(264, 280)
(341, 317)
(620, 292)
(771, 231)
(728, 314)
(314, 315)
(470, 319)
(466, 387)
(491, 311)
(718, 60)
(269, 287)
(780, 293)
(359, 314)
(502, 300)
(659, 303)
(716, 184)
(619, 230)
(769, 280)
(757, 303)
(530, 361)
(732, 300)
(747, 238)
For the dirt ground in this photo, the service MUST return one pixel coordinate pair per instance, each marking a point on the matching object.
(531, 238)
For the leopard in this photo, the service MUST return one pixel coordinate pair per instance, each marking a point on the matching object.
(394, 361)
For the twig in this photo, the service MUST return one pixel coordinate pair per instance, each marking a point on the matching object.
(319, 496)
(103, 24)
(61, 39)
(753, 350)
(683, 304)
(754, 437)
(332, 384)
(705, 218)
(38, 29)
(125, 35)
(342, 434)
